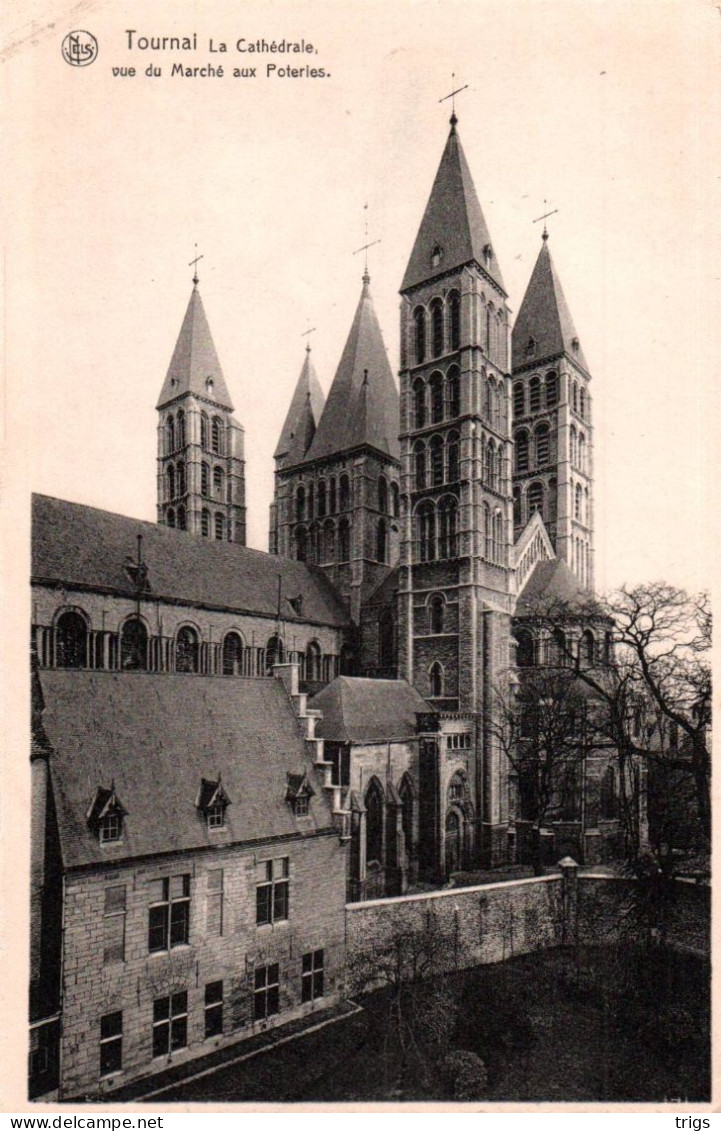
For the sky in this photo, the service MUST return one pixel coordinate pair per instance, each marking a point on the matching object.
(607, 112)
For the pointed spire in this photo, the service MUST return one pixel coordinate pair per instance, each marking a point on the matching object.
(452, 223)
(194, 366)
(362, 406)
(304, 413)
(544, 327)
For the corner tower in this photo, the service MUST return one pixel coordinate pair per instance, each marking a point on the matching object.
(552, 429)
(201, 464)
(296, 437)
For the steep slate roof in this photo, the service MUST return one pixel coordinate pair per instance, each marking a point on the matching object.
(81, 547)
(368, 710)
(303, 414)
(550, 583)
(194, 360)
(453, 219)
(544, 316)
(359, 410)
(156, 737)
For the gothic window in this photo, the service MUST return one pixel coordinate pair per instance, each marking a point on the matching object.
(216, 436)
(573, 454)
(204, 480)
(588, 649)
(436, 255)
(524, 649)
(608, 648)
(578, 503)
(489, 327)
(375, 804)
(486, 395)
(490, 464)
(435, 680)
(182, 522)
(453, 389)
(574, 396)
(311, 501)
(534, 395)
(204, 431)
(386, 640)
(180, 479)
(437, 327)
(488, 531)
(218, 482)
(187, 650)
(498, 467)
(233, 654)
(543, 445)
(498, 547)
(313, 662)
(301, 544)
(344, 492)
(608, 801)
(457, 788)
(171, 517)
(329, 542)
(382, 541)
(170, 435)
(332, 500)
(419, 454)
(405, 793)
(454, 448)
(535, 499)
(205, 522)
(552, 500)
(517, 506)
(582, 404)
(314, 543)
(551, 390)
(531, 347)
(447, 522)
(581, 452)
(321, 499)
(71, 635)
(436, 447)
(419, 329)
(454, 310)
(419, 403)
(560, 649)
(426, 524)
(395, 500)
(383, 494)
(343, 540)
(519, 398)
(273, 654)
(180, 434)
(436, 387)
(436, 609)
(219, 527)
(170, 473)
(521, 446)
(134, 645)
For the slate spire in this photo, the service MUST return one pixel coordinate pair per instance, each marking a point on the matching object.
(544, 326)
(362, 406)
(304, 413)
(452, 223)
(194, 366)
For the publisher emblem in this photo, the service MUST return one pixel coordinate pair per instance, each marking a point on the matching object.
(80, 48)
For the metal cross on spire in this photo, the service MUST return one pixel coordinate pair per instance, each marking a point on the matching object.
(305, 335)
(452, 96)
(366, 245)
(194, 263)
(544, 217)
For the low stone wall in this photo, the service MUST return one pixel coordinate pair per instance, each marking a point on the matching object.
(608, 912)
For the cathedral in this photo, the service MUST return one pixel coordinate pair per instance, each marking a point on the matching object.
(342, 745)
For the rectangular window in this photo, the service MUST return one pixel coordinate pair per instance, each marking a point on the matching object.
(311, 978)
(170, 1023)
(114, 925)
(272, 890)
(214, 924)
(267, 991)
(214, 1009)
(111, 1043)
(169, 913)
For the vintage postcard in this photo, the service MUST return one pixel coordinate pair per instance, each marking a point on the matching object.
(360, 426)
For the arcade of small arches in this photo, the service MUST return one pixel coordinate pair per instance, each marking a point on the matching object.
(533, 497)
(436, 328)
(72, 642)
(330, 496)
(534, 450)
(538, 394)
(438, 398)
(212, 433)
(566, 649)
(436, 529)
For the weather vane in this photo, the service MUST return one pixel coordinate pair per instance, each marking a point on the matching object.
(366, 245)
(194, 264)
(452, 96)
(305, 335)
(544, 217)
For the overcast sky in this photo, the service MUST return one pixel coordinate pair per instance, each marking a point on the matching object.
(607, 111)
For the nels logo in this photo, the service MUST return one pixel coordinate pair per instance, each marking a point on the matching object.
(80, 48)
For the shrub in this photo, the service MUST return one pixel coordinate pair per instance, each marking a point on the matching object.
(465, 1075)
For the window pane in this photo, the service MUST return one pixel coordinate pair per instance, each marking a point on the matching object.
(179, 1033)
(318, 984)
(157, 891)
(111, 1025)
(160, 1039)
(280, 900)
(179, 886)
(263, 905)
(111, 1057)
(264, 871)
(307, 962)
(213, 992)
(179, 923)
(214, 1021)
(283, 866)
(161, 1008)
(158, 928)
(179, 1002)
(260, 976)
(273, 1000)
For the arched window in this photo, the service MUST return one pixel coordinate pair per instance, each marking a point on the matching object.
(313, 662)
(489, 464)
(519, 398)
(405, 792)
(535, 499)
(454, 842)
(329, 542)
(435, 681)
(498, 539)
(573, 449)
(578, 503)
(218, 482)
(216, 436)
(436, 447)
(233, 654)
(447, 523)
(187, 650)
(300, 503)
(453, 390)
(419, 333)
(180, 433)
(588, 649)
(170, 435)
(182, 521)
(419, 457)
(219, 527)
(204, 431)
(436, 255)
(582, 404)
(521, 448)
(437, 327)
(205, 522)
(608, 800)
(436, 387)
(171, 517)
(517, 506)
(386, 640)
(551, 390)
(321, 498)
(134, 645)
(204, 480)
(581, 452)
(344, 492)
(524, 649)
(311, 500)
(170, 475)
(488, 531)
(454, 313)
(332, 501)
(436, 610)
(426, 526)
(301, 544)
(419, 403)
(608, 648)
(560, 650)
(382, 541)
(574, 396)
(489, 329)
(314, 543)
(383, 494)
(180, 478)
(487, 396)
(457, 788)
(552, 500)
(534, 395)
(274, 654)
(343, 540)
(543, 445)
(375, 804)
(454, 451)
(498, 467)
(395, 500)
(71, 641)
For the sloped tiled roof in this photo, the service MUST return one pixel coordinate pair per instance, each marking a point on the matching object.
(363, 404)
(545, 317)
(194, 360)
(156, 737)
(550, 584)
(82, 547)
(304, 413)
(453, 220)
(368, 710)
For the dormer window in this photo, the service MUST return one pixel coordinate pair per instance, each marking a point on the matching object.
(436, 255)
(212, 802)
(487, 254)
(111, 828)
(105, 816)
(299, 793)
(209, 385)
(531, 347)
(575, 345)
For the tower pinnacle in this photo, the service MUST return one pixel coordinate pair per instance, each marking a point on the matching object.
(194, 264)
